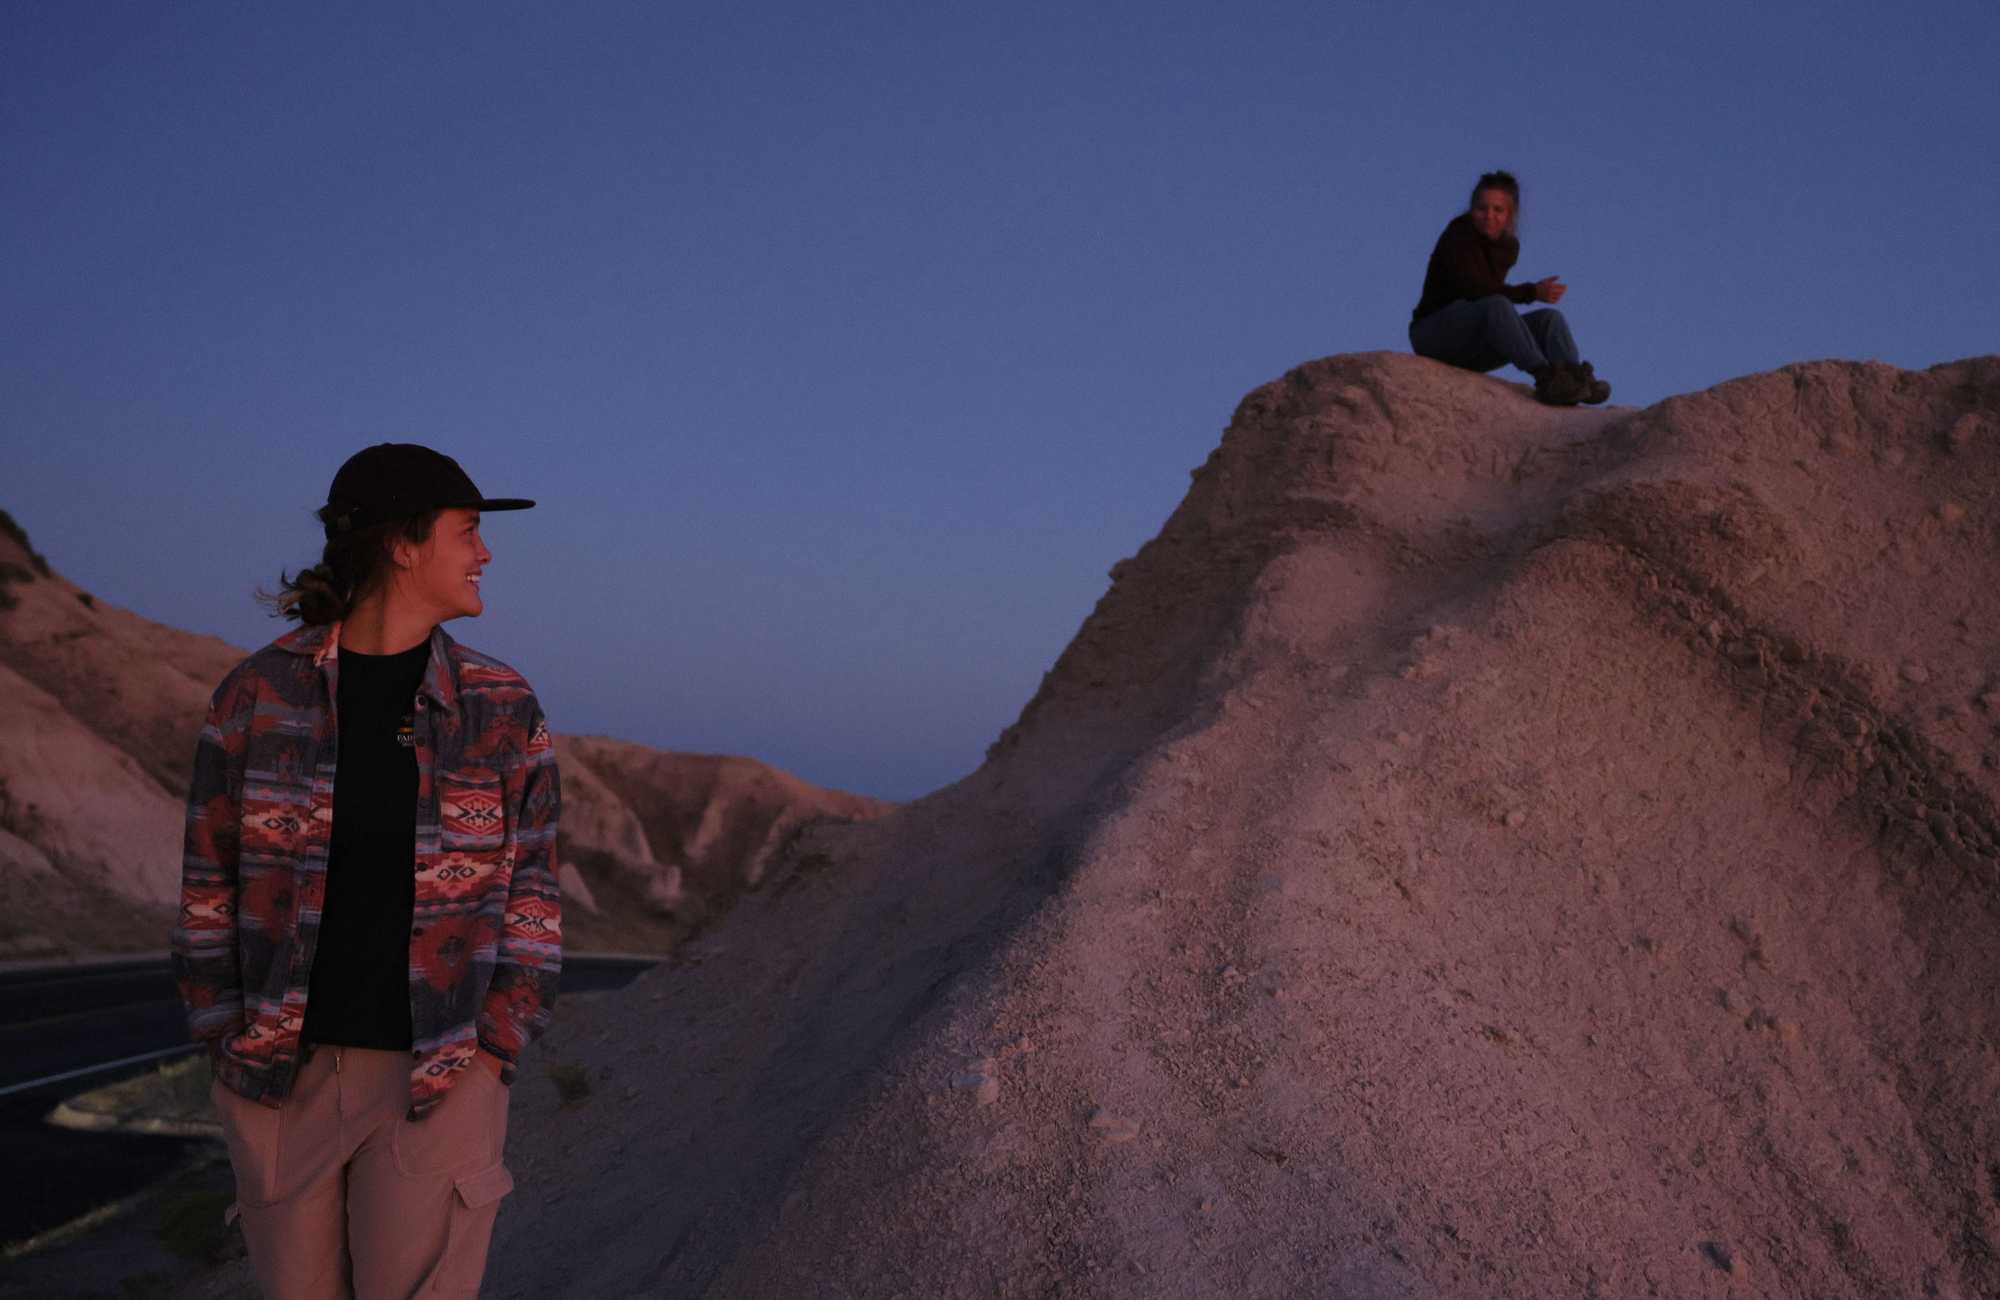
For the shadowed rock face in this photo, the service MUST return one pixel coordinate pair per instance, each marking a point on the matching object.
(99, 710)
(1474, 850)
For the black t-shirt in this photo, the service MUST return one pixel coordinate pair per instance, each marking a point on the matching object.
(360, 990)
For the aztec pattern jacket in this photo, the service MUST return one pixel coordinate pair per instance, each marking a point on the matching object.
(486, 936)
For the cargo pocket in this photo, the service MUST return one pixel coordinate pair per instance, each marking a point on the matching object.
(475, 1202)
(485, 1188)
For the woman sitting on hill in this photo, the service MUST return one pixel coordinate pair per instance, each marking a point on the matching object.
(1467, 318)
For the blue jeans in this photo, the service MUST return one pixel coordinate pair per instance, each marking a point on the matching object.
(1486, 333)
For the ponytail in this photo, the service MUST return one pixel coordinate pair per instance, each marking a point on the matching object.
(354, 564)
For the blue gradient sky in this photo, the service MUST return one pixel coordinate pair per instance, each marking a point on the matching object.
(848, 349)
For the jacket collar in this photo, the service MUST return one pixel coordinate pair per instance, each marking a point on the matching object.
(321, 643)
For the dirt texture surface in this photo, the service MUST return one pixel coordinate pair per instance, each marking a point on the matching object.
(1475, 850)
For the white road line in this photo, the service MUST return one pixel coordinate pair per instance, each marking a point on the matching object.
(79, 1072)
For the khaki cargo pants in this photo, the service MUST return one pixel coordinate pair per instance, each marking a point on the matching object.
(342, 1195)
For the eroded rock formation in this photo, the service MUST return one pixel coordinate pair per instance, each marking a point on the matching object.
(1474, 850)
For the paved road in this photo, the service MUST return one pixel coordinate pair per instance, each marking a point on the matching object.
(54, 1019)
(57, 1021)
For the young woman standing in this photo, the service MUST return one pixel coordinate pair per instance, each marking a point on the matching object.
(370, 929)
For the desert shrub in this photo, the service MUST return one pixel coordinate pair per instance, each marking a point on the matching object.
(191, 1226)
(572, 1083)
(11, 573)
(9, 528)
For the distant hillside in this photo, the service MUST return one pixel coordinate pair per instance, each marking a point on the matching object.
(99, 710)
(655, 842)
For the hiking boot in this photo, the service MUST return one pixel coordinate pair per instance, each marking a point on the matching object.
(1595, 390)
(1557, 384)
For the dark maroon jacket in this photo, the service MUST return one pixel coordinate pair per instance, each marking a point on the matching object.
(1465, 266)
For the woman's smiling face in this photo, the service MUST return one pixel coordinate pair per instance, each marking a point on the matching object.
(1492, 213)
(442, 575)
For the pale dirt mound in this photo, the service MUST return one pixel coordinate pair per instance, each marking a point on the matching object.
(1475, 850)
(99, 711)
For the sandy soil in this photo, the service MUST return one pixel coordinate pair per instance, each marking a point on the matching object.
(1474, 850)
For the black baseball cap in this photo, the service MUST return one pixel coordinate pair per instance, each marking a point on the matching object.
(394, 480)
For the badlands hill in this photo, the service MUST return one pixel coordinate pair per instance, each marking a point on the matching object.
(656, 843)
(99, 710)
(1474, 850)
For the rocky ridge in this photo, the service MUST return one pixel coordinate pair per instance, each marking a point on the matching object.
(1474, 850)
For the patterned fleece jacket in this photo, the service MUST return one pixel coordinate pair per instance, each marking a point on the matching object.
(486, 935)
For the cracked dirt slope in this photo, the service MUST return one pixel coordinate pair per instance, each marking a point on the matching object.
(1474, 850)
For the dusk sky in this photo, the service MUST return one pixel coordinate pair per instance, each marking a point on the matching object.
(847, 347)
